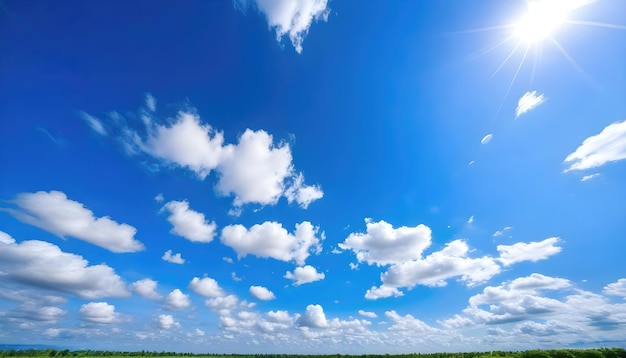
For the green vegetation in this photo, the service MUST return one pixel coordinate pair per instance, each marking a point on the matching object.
(554, 353)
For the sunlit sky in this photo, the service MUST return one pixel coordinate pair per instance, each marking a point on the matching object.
(277, 176)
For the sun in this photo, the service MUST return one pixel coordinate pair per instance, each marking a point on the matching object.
(541, 19)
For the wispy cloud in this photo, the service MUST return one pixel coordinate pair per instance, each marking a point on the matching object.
(290, 18)
(94, 123)
(486, 139)
(589, 177)
(605, 147)
(528, 102)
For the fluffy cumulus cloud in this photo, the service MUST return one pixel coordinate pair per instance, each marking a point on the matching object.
(595, 151)
(381, 244)
(305, 274)
(254, 170)
(54, 212)
(188, 223)
(177, 300)
(99, 312)
(616, 288)
(146, 288)
(261, 293)
(166, 321)
(532, 251)
(173, 258)
(206, 287)
(528, 102)
(43, 265)
(435, 269)
(290, 18)
(382, 291)
(271, 240)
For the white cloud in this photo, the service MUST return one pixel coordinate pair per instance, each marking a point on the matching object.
(616, 288)
(166, 321)
(382, 244)
(175, 258)
(383, 291)
(305, 274)
(188, 223)
(228, 259)
(261, 293)
(206, 287)
(254, 170)
(222, 303)
(54, 212)
(99, 312)
(438, 267)
(303, 194)
(533, 251)
(595, 151)
(270, 239)
(235, 277)
(146, 288)
(590, 176)
(176, 300)
(470, 220)
(313, 317)
(290, 18)
(501, 232)
(159, 198)
(529, 101)
(368, 314)
(408, 323)
(353, 266)
(94, 123)
(42, 264)
(486, 139)
(150, 102)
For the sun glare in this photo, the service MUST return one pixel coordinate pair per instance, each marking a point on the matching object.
(541, 19)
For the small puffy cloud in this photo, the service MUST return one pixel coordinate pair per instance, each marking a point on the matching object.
(228, 259)
(381, 244)
(173, 258)
(94, 123)
(166, 321)
(159, 198)
(176, 300)
(533, 251)
(222, 303)
(99, 312)
(146, 288)
(313, 317)
(44, 265)
(305, 274)
(368, 314)
(261, 293)
(383, 291)
(353, 266)
(303, 194)
(616, 288)
(206, 287)
(590, 176)
(595, 151)
(188, 223)
(470, 220)
(290, 18)
(235, 277)
(486, 139)
(529, 101)
(54, 212)
(270, 239)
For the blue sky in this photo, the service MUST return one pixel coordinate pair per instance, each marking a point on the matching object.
(313, 177)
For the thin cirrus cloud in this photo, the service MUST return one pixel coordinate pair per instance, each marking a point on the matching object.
(290, 18)
(486, 139)
(606, 147)
(54, 212)
(254, 170)
(44, 265)
(528, 102)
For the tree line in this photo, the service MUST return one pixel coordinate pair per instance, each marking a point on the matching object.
(552, 353)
